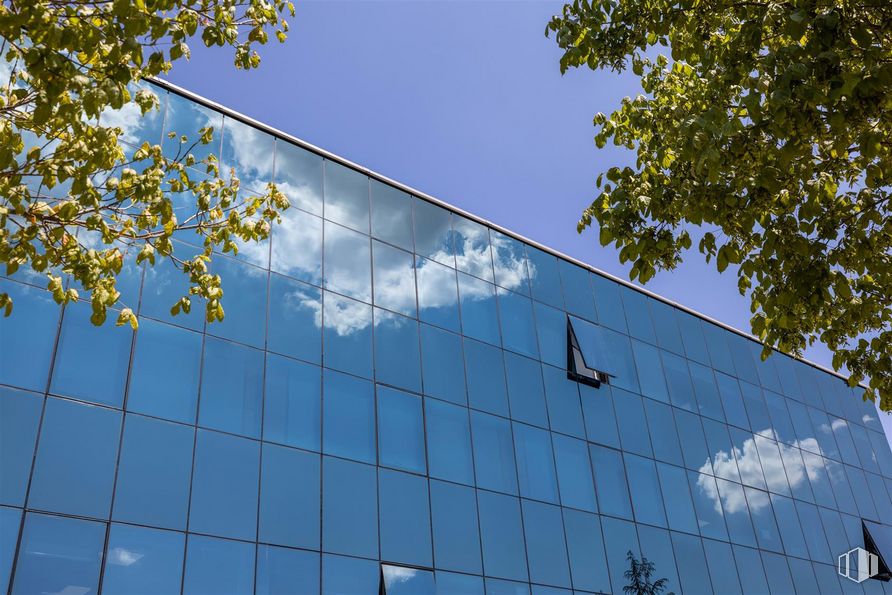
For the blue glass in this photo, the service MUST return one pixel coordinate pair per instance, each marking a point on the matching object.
(479, 314)
(546, 548)
(535, 463)
(678, 377)
(19, 420)
(663, 435)
(747, 456)
(722, 572)
(518, 328)
(551, 329)
(91, 361)
(244, 301)
(788, 525)
(502, 536)
(666, 327)
(349, 576)
(880, 496)
(545, 279)
(509, 263)
(472, 248)
(766, 369)
(401, 580)
(577, 283)
(450, 583)
(391, 211)
(437, 294)
(347, 335)
(289, 497)
(393, 275)
(749, 569)
(585, 547)
(433, 232)
(185, 117)
(163, 286)
(348, 262)
(721, 451)
(486, 378)
(780, 418)
(742, 356)
(348, 417)
(762, 514)
(691, 329)
(442, 365)
(796, 473)
(405, 518)
(692, 571)
(346, 196)
(805, 433)
(493, 453)
(828, 581)
(292, 409)
(501, 587)
(455, 529)
(847, 452)
(297, 246)
(448, 442)
(638, 315)
(562, 397)
(630, 416)
(717, 342)
(397, 357)
(574, 473)
(650, 371)
(756, 409)
(707, 506)
(656, 547)
(677, 499)
(827, 475)
(620, 538)
(645, 490)
(74, 471)
(231, 388)
(824, 434)
(26, 339)
(299, 175)
(804, 575)
(778, 574)
(10, 522)
(142, 561)
(787, 375)
(610, 480)
(400, 430)
(813, 531)
(706, 392)
(863, 501)
(349, 508)
(732, 401)
(600, 418)
(525, 390)
(166, 365)
(295, 321)
(154, 472)
(224, 486)
(283, 571)
(218, 567)
(772, 465)
(693, 442)
(58, 555)
(873, 450)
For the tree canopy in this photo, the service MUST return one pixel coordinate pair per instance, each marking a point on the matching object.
(76, 201)
(639, 576)
(763, 135)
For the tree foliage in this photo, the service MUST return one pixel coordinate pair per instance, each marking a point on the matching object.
(75, 200)
(639, 574)
(766, 124)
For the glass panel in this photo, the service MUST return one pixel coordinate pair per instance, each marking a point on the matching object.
(58, 555)
(866, 443)
(630, 415)
(433, 232)
(650, 371)
(804, 576)
(154, 473)
(742, 357)
(778, 574)
(518, 329)
(772, 466)
(448, 442)
(349, 508)
(218, 566)
(292, 410)
(788, 524)
(346, 196)
(722, 572)
(620, 538)
(19, 420)
(666, 327)
(348, 417)
(842, 491)
(442, 365)
(732, 401)
(231, 388)
(449, 583)
(546, 548)
(645, 490)
(749, 570)
(763, 520)
(600, 418)
(455, 528)
(716, 341)
(562, 397)
(610, 480)
(577, 284)
(480, 318)
(348, 262)
(663, 434)
(737, 514)
(393, 272)
(509, 262)
(545, 279)
(299, 176)
(756, 409)
(391, 215)
(26, 339)
(681, 391)
(638, 315)
(244, 301)
(297, 246)
(295, 319)
(574, 473)
(399, 580)
(840, 429)
(796, 473)
(721, 452)
(74, 471)
(863, 501)
(405, 518)
(164, 380)
(707, 393)
(10, 523)
(765, 369)
(400, 430)
(692, 336)
(502, 536)
(780, 419)
(693, 442)
(656, 546)
(224, 486)
(349, 576)
(143, 561)
(747, 456)
(437, 294)
(818, 479)
(185, 118)
(619, 352)
(677, 499)
(551, 329)
(472, 253)
(486, 378)
(706, 504)
(347, 335)
(535, 463)
(693, 574)
(289, 497)
(397, 357)
(813, 531)
(610, 304)
(493, 453)
(165, 284)
(585, 547)
(525, 390)
(91, 361)
(282, 571)
(500, 587)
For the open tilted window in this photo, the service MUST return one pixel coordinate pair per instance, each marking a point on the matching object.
(587, 357)
(878, 540)
(405, 580)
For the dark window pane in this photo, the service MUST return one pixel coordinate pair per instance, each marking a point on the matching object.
(393, 272)
(154, 473)
(737, 514)
(349, 576)
(26, 339)
(292, 410)
(405, 518)
(231, 388)
(400, 430)
(525, 390)
(502, 536)
(346, 196)
(74, 471)
(244, 302)
(58, 555)
(479, 315)
(742, 357)
(756, 409)
(693, 443)
(610, 305)
(638, 315)
(763, 520)
(437, 294)
(224, 486)
(349, 508)
(448, 442)
(397, 359)
(472, 248)
(610, 480)
(348, 417)
(620, 538)
(630, 415)
(645, 490)
(283, 571)
(574, 473)
(289, 497)
(433, 232)
(493, 453)
(600, 418)
(486, 378)
(295, 319)
(551, 329)
(535, 463)
(518, 329)
(546, 548)
(577, 290)
(347, 335)
(586, 551)
(692, 336)
(707, 506)
(297, 246)
(545, 279)
(693, 574)
(650, 371)
(442, 365)
(454, 521)
(391, 215)
(348, 262)
(509, 262)
(666, 326)
(218, 566)
(142, 561)
(299, 176)
(662, 432)
(804, 576)
(677, 498)
(399, 580)
(562, 396)
(19, 419)
(765, 368)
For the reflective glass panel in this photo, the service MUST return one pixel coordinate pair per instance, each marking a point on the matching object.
(486, 377)
(788, 524)
(796, 473)
(780, 418)
(650, 371)
(455, 529)
(645, 490)
(722, 572)
(348, 262)
(706, 392)
(518, 329)
(292, 409)
(630, 416)
(437, 294)
(691, 330)
(397, 357)
(737, 514)
(693, 442)
(19, 419)
(600, 418)
(502, 536)
(218, 566)
(450, 582)
(663, 435)
(574, 473)
(185, 117)
(448, 442)
(10, 522)
(666, 326)
(289, 497)
(620, 538)
(400, 580)
(677, 498)
(692, 571)
(142, 561)
(681, 392)
(749, 570)
(525, 390)
(819, 479)
(721, 452)
(442, 365)
(348, 417)
(472, 251)
(610, 305)
(297, 246)
(747, 456)
(26, 339)
(638, 315)
(433, 232)
(283, 571)
(778, 574)
(479, 314)
(732, 401)
(707, 506)
(509, 262)
(244, 301)
(546, 547)
(231, 388)
(535, 463)
(562, 397)
(578, 290)
(610, 480)
(400, 430)
(756, 409)
(393, 272)
(716, 341)
(763, 520)
(295, 319)
(585, 547)
(299, 176)
(391, 215)
(346, 196)
(349, 508)
(742, 357)
(405, 518)
(772, 466)
(347, 335)
(349, 576)
(813, 531)
(493, 453)
(545, 279)
(551, 329)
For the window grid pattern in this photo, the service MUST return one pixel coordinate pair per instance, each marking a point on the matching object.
(544, 482)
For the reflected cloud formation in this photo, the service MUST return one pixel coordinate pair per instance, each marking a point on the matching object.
(394, 575)
(120, 556)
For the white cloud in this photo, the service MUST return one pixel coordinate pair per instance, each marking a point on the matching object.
(394, 575)
(123, 557)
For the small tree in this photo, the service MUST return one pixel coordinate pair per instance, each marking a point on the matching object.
(639, 574)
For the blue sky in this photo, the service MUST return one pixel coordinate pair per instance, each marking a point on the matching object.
(462, 100)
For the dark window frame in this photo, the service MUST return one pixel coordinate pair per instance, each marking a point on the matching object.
(577, 368)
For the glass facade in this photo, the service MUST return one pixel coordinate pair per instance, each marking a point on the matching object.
(387, 408)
